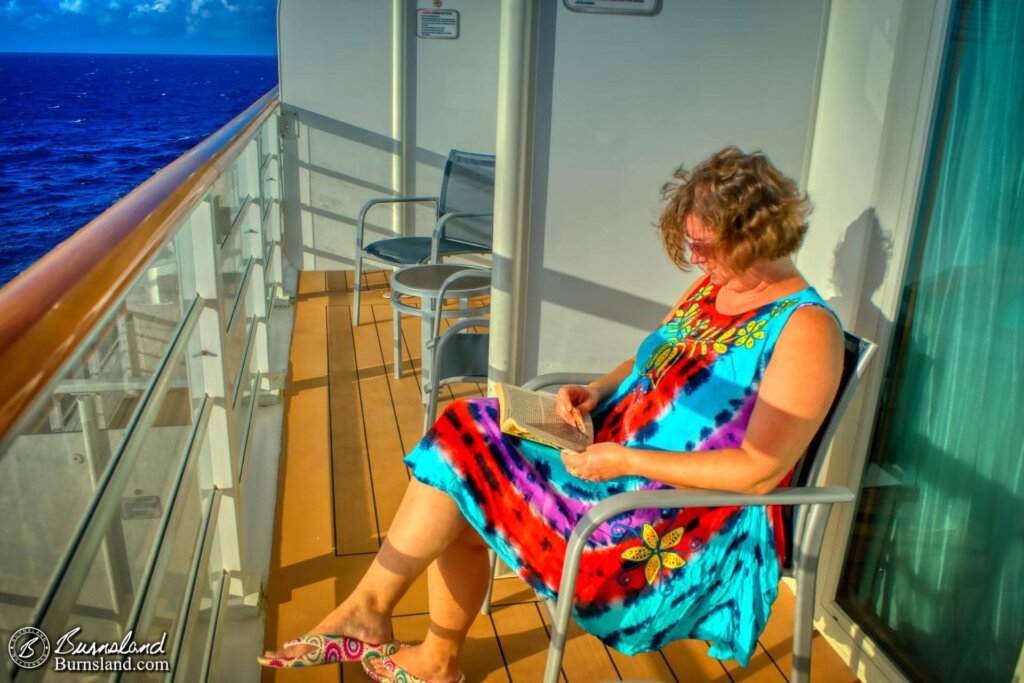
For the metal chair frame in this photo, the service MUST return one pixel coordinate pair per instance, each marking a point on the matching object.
(431, 256)
(812, 505)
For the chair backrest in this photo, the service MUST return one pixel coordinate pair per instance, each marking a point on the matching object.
(468, 186)
(459, 355)
(857, 355)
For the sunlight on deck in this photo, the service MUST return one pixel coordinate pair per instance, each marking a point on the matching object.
(348, 423)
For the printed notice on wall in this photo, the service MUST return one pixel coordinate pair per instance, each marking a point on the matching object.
(614, 6)
(437, 23)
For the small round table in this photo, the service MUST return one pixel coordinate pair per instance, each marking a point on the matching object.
(424, 281)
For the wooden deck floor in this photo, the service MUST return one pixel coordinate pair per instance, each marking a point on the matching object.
(348, 423)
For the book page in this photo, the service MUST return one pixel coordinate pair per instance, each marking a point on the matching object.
(534, 413)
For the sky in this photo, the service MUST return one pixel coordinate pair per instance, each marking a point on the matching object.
(209, 27)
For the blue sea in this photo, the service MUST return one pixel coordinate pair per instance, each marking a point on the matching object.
(81, 131)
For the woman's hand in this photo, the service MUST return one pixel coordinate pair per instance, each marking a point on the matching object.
(600, 462)
(583, 399)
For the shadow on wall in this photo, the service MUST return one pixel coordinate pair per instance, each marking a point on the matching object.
(334, 168)
(860, 262)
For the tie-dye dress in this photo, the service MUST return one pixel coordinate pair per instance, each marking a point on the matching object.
(651, 576)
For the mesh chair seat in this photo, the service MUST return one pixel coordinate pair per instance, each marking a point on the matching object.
(465, 356)
(409, 250)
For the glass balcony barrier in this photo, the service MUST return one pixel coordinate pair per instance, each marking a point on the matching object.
(122, 470)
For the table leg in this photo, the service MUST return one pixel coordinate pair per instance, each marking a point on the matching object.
(426, 330)
(396, 322)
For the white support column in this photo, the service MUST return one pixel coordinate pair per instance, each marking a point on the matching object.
(512, 182)
(223, 453)
(401, 162)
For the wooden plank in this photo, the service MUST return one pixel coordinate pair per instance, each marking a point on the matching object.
(304, 497)
(336, 282)
(481, 657)
(383, 446)
(406, 391)
(355, 523)
(312, 282)
(586, 658)
(761, 669)
(524, 641)
(690, 662)
(510, 591)
(646, 666)
(826, 664)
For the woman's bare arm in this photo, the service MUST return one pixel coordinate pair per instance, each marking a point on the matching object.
(795, 394)
(586, 398)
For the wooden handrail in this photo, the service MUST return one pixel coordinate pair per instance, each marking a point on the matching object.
(48, 311)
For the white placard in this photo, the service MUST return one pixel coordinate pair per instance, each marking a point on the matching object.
(437, 23)
(614, 6)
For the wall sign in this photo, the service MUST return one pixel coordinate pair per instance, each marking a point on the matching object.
(648, 7)
(437, 23)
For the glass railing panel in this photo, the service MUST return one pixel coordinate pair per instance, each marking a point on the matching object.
(115, 577)
(238, 336)
(246, 396)
(227, 202)
(163, 608)
(202, 613)
(268, 138)
(271, 198)
(233, 261)
(62, 447)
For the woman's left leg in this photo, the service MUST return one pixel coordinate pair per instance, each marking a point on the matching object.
(457, 583)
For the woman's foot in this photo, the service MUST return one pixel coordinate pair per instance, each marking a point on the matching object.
(418, 662)
(360, 624)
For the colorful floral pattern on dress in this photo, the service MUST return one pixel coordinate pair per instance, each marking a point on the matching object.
(655, 553)
(647, 577)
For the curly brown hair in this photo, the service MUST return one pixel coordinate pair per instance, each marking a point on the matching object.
(754, 210)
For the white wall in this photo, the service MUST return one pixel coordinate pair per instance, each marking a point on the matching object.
(336, 75)
(624, 100)
(878, 86)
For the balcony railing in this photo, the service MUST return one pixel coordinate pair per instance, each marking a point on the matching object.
(131, 358)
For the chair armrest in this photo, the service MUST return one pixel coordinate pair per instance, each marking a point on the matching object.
(439, 227)
(684, 498)
(557, 379)
(442, 292)
(383, 200)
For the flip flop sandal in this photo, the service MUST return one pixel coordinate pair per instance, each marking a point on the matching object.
(398, 674)
(328, 650)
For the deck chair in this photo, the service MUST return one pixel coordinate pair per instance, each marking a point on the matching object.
(805, 527)
(458, 355)
(464, 219)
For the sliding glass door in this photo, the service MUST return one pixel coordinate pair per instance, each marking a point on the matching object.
(934, 573)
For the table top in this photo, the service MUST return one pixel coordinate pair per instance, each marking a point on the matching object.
(426, 280)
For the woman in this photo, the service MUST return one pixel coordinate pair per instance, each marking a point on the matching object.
(726, 395)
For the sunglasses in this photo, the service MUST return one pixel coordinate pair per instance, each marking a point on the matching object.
(701, 248)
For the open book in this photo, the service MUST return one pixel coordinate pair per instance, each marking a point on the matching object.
(531, 415)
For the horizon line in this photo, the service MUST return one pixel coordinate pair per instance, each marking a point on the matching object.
(138, 54)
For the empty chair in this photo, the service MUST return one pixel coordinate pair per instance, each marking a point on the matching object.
(465, 210)
(458, 355)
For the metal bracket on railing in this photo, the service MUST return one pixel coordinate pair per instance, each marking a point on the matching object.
(289, 125)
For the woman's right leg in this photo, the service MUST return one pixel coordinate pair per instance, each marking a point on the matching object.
(427, 522)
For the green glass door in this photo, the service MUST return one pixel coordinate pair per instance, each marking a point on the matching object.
(934, 573)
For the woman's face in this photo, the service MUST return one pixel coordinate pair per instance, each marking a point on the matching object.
(700, 242)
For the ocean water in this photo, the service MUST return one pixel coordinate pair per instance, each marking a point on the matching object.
(81, 131)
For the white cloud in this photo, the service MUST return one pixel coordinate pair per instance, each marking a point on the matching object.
(159, 6)
(228, 6)
(75, 6)
(196, 6)
(113, 4)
